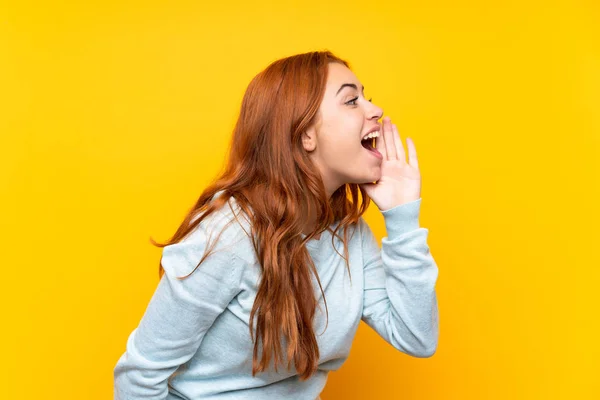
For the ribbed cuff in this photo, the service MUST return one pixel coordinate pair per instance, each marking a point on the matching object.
(402, 218)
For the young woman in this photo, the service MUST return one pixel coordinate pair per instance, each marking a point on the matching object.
(267, 308)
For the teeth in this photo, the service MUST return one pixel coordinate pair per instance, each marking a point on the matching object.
(372, 135)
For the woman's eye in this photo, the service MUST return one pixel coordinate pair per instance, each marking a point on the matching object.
(353, 101)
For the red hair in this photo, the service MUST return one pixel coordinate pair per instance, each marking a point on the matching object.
(271, 177)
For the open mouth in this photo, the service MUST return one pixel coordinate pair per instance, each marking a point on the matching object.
(370, 145)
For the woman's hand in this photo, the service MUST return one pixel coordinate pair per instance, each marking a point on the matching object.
(400, 181)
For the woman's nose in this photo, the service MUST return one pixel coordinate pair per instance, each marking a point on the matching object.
(375, 112)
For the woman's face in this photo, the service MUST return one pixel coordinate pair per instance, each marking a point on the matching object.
(334, 141)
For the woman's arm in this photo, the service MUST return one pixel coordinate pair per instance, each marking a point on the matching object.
(400, 302)
(177, 317)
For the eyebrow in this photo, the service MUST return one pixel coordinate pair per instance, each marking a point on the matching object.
(352, 85)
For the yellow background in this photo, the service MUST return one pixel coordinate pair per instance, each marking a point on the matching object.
(115, 115)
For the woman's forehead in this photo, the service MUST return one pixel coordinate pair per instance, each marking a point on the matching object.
(338, 78)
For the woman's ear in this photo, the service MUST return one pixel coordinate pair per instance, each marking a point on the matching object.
(309, 139)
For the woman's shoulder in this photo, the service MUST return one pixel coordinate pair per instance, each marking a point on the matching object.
(228, 226)
(220, 236)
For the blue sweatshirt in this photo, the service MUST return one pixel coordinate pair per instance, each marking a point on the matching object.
(193, 341)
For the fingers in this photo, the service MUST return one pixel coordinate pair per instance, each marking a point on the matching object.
(380, 144)
(390, 145)
(388, 139)
(412, 153)
(398, 144)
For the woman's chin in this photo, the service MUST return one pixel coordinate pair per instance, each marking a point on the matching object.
(371, 179)
(375, 173)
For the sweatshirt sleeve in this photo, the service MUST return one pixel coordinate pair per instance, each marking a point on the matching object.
(400, 301)
(177, 317)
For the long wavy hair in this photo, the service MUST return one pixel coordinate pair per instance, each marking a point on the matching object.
(272, 179)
